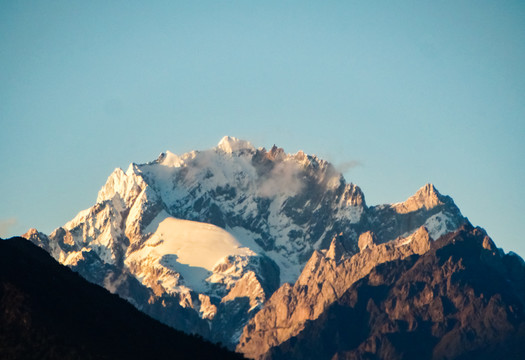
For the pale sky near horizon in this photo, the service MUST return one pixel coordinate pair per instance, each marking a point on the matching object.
(410, 91)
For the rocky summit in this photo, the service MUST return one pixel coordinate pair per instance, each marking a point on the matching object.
(242, 245)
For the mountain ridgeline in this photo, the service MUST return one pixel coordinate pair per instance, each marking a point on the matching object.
(246, 246)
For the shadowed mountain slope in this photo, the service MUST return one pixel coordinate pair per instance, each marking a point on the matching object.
(48, 311)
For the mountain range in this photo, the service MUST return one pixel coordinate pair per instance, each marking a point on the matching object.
(253, 248)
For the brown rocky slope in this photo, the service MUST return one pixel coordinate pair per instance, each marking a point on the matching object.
(325, 278)
(463, 299)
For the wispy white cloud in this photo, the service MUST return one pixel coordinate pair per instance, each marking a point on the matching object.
(285, 178)
(347, 165)
(6, 225)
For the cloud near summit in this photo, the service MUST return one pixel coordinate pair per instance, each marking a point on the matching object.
(285, 178)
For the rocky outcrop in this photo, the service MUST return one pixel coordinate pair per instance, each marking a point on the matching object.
(462, 299)
(366, 240)
(245, 298)
(325, 277)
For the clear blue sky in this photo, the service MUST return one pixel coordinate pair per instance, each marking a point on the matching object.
(414, 91)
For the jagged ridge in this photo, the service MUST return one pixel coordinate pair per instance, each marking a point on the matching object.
(462, 299)
(326, 276)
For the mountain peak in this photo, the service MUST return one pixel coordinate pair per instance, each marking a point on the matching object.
(428, 190)
(230, 144)
(336, 250)
(426, 197)
(169, 159)
(30, 232)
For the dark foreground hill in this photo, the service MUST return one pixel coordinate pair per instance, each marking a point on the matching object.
(49, 312)
(463, 299)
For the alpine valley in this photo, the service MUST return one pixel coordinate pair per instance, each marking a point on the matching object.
(275, 255)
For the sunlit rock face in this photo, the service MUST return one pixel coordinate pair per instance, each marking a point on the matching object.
(325, 277)
(202, 240)
(461, 299)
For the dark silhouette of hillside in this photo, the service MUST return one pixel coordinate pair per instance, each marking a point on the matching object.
(49, 312)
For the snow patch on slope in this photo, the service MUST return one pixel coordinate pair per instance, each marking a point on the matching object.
(195, 243)
(189, 248)
(438, 225)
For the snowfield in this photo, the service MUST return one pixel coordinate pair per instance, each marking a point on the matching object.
(194, 243)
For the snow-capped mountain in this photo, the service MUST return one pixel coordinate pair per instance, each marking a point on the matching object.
(201, 240)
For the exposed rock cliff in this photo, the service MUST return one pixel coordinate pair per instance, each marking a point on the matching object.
(325, 277)
(463, 299)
